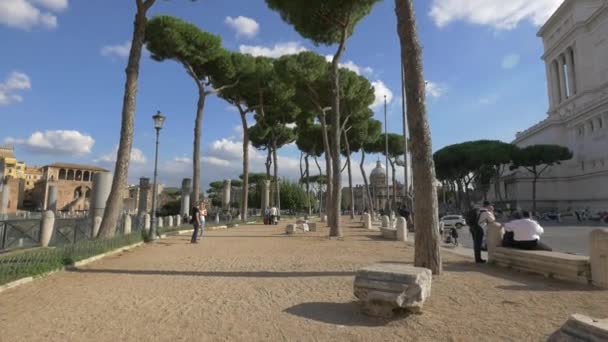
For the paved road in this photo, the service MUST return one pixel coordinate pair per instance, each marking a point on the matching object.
(569, 239)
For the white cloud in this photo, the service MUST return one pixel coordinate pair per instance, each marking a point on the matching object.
(278, 50)
(120, 51)
(15, 81)
(56, 142)
(435, 90)
(510, 61)
(380, 90)
(350, 65)
(215, 161)
(55, 5)
(488, 100)
(499, 14)
(243, 26)
(25, 14)
(137, 156)
(182, 160)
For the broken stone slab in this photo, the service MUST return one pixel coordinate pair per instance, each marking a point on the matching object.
(581, 328)
(386, 289)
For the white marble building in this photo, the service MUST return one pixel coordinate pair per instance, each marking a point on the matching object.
(575, 42)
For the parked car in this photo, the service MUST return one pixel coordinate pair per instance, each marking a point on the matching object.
(456, 221)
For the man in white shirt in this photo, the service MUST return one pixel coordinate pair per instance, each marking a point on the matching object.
(526, 234)
(273, 215)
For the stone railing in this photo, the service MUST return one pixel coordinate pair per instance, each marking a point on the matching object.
(569, 267)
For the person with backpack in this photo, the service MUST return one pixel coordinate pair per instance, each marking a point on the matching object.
(477, 219)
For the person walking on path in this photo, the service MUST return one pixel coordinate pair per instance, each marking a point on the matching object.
(203, 214)
(195, 213)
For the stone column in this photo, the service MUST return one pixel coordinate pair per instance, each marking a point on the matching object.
(226, 195)
(368, 221)
(599, 257)
(178, 220)
(401, 229)
(46, 228)
(265, 194)
(146, 217)
(554, 79)
(96, 225)
(160, 223)
(571, 71)
(562, 77)
(51, 199)
(127, 225)
(185, 204)
(4, 199)
(102, 184)
(170, 221)
(386, 222)
(144, 190)
(493, 240)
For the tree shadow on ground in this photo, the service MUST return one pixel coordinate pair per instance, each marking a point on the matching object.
(527, 281)
(235, 274)
(346, 314)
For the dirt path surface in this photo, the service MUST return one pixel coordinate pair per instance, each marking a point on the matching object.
(254, 283)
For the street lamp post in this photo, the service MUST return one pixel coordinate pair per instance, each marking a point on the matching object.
(159, 119)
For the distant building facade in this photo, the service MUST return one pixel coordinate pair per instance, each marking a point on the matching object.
(379, 194)
(74, 185)
(576, 59)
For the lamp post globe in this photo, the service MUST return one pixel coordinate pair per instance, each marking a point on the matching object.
(159, 120)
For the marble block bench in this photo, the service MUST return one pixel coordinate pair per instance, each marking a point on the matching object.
(387, 289)
(558, 265)
(569, 267)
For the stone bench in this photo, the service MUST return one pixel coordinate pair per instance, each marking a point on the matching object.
(557, 265)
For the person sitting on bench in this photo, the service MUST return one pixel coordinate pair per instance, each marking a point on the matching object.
(525, 234)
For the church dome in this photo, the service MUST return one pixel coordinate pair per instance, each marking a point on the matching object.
(378, 171)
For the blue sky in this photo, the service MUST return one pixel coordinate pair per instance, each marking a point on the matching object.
(62, 77)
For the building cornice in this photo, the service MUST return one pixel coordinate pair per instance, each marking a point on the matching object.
(554, 17)
(575, 27)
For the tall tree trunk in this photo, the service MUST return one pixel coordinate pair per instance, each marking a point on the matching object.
(121, 169)
(336, 191)
(277, 186)
(425, 193)
(245, 191)
(318, 166)
(367, 190)
(406, 168)
(497, 190)
(196, 151)
(350, 178)
(329, 178)
(301, 169)
(268, 163)
(308, 185)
